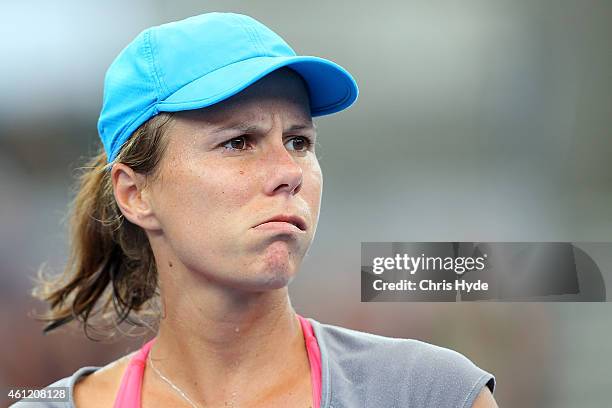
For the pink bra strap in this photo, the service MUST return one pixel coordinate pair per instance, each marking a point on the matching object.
(314, 357)
(131, 384)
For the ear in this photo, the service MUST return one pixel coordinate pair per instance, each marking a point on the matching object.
(132, 198)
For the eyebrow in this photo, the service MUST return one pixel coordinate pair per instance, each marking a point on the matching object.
(247, 128)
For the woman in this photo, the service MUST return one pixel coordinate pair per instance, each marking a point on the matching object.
(206, 197)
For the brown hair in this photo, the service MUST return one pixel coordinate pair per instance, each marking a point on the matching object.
(110, 259)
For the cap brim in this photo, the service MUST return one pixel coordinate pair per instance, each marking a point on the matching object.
(331, 88)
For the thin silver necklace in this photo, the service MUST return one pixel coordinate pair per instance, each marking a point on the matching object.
(170, 383)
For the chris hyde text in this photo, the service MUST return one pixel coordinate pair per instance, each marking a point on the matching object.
(427, 285)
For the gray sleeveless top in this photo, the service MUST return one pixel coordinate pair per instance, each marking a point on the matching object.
(366, 370)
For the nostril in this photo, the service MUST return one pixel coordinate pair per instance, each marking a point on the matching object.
(281, 187)
(295, 190)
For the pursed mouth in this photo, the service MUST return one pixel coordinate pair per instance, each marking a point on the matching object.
(291, 219)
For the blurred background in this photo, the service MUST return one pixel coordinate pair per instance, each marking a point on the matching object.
(477, 120)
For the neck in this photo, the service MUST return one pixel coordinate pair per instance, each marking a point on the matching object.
(218, 343)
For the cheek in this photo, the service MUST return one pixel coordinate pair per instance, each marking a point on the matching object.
(234, 187)
(312, 188)
(206, 195)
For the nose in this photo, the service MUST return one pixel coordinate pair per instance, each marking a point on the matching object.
(284, 174)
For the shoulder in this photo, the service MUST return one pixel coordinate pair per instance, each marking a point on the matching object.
(100, 388)
(67, 383)
(405, 370)
(87, 387)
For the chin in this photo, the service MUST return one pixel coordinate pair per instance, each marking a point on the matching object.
(277, 267)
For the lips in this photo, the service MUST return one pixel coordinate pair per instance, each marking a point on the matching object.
(291, 219)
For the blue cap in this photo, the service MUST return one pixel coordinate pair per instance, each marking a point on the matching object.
(202, 60)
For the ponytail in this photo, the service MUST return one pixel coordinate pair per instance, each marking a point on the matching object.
(111, 270)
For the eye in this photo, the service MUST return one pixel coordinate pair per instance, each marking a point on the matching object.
(237, 143)
(299, 143)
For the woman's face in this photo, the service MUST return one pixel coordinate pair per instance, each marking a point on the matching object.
(230, 168)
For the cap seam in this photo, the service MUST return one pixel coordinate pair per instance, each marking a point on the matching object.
(157, 69)
(251, 35)
(151, 63)
(262, 47)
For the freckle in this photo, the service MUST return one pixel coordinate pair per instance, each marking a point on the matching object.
(170, 264)
(241, 171)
